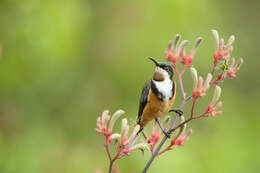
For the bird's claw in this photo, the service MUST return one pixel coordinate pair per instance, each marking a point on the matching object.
(178, 111)
(167, 134)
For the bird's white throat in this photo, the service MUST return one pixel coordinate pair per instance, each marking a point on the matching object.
(165, 86)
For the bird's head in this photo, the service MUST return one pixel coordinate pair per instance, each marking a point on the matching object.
(162, 70)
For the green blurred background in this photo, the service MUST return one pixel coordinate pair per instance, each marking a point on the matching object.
(65, 61)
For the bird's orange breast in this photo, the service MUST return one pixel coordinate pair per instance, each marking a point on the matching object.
(155, 108)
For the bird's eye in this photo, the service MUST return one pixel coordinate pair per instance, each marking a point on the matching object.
(166, 68)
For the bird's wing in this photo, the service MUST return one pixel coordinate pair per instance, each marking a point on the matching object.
(143, 99)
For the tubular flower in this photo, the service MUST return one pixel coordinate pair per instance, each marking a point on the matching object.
(102, 122)
(199, 88)
(187, 59)
(142, 146)
(212, 108)
(113, 136)
(155, 135)
(222, 51)
(173, 52)
(125, 140)
(234, 67)
(183, 138)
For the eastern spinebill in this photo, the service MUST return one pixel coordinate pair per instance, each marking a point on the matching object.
(157, 96)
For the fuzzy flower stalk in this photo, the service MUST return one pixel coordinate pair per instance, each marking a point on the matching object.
(105, 124)
(228, 69)
(177, 49)
(222, 51)
(214, 105)
(199, 86)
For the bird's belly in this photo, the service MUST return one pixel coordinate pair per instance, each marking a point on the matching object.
(155, 108)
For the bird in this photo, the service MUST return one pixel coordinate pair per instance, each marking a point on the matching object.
(158, 96)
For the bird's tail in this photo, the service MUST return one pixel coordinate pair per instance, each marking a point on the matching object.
(135, 138)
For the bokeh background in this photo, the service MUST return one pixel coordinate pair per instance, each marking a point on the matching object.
(63, 62)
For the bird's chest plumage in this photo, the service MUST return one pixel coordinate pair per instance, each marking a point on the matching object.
(160, 99)
(163, 89)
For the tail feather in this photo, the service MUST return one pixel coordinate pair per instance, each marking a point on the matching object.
(132, 143)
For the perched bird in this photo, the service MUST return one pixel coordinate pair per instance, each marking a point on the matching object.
(157, 96)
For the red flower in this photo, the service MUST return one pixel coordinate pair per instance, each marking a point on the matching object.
(222, 51)
(234, 67)
(187, 59)
(173, 52)
(212, 108)
(199, 88)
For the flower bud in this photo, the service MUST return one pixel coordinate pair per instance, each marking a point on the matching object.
(115, 116)
(114, 136)
(217, 93)
(123, 125)
(194, 77)
(216, 37)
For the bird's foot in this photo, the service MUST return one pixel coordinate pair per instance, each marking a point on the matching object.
(167, 134)
(178, 111)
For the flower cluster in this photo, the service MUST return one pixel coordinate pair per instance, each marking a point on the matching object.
(155, 136)
(102, 122)
(222, 58)
(176, 50)
(182, 136)
(213, 106)
(125, 140)
(222, 51)
(105, 125)
(234, 67)
(199, 88)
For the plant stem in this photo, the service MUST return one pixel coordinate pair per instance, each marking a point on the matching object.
(181, 86)
(107, 150)
(114, 159)
(181, 83)
(193, 106)
(191, 118)
(165, 137)
(111, 166)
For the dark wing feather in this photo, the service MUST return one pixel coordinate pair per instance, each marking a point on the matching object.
(143, 99)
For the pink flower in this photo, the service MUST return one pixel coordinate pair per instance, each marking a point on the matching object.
(187, 59)
(212, 108)
(183, 138)
(143, 146)
(173, 52)
(199, 88)
(102, 122)
(222, 51)
(156, 133)
(125, 140)
(234, 67)
(155, 136)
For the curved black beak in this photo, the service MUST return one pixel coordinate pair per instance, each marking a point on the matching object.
(154, 60)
